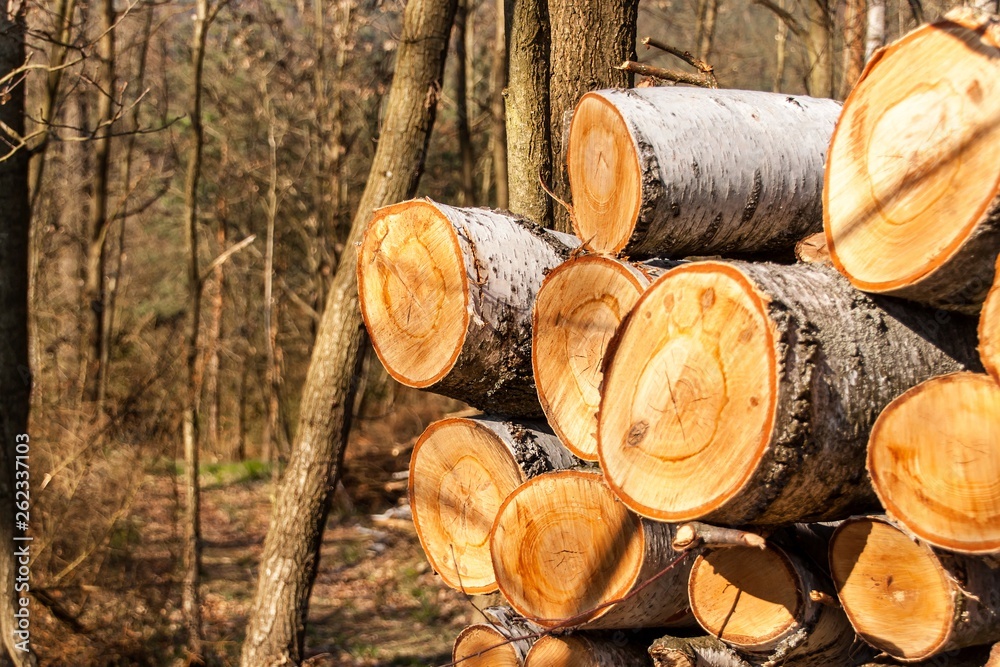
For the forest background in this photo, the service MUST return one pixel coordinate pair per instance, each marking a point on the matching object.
(190, 173)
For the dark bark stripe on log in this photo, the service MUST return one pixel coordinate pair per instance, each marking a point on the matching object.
(934, 460)
(684, 171)
(744, 393)
(910, 600)
(446, 294)
(564, 547)
(912, 194)
(461, 470)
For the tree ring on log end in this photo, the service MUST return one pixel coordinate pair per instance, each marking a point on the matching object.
(934, 460)
(577, 311)
(562, 545)
(567, 651)
(911, 171)
(750, 598)
(459, 475)
(604, 175)
(894, 590)
(689, 394)
(483, 646)
(413, 291)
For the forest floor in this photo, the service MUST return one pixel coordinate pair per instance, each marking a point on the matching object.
(376, 602)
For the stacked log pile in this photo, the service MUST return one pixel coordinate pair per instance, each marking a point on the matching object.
(660, 440)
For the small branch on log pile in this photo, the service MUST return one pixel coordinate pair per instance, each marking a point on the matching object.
(664, 74)
(697, 534)
(707, 70)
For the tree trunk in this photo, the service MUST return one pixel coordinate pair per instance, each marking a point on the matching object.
(875, 28)
(467, 184)
(460, 472)
(580, 650)
(708, 11)
(503, 643)
(989, 329)
(577, 311)
(766, 604)
(15, 375)
(854, 44)
(94, 294)
(744, 393)
(529, 139)
(907, 599)
(750, 182)
(272, 374)
(498, 134)
(914, 148)
(940, 482)
(590, 38)
(819, 47)
(567, 554)
(781, 40)
(447, 293)
(190, 587)
(276, 624)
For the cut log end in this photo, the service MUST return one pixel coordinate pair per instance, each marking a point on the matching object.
(604, 175)
(562, 545)
(484, 646)
(413, 291)
(747, 597)
(678, 439)
(911, 172)
(989, 328)
(934, 460)
(578, 651)
(894, 590)
(459, 475)
(578, 308)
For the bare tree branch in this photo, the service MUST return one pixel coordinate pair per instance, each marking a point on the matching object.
(668, 74)
(784, 16)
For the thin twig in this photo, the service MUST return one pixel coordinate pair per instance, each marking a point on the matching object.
(686, 56)
(667, 74)
(696, 534)
(784, 16)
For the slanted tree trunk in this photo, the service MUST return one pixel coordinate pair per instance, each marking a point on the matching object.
(771, 605)
(744, 393)
(15, 375)
(580, 650)
(529, 139)
(503, 642)
(915, 147)
(590, 38)
(564, 548)
(909, 600)
(460, 472)
(576, 313)
(750, 182)
(190, 586)
(446, 295)
(276, 624)
(940, 482)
